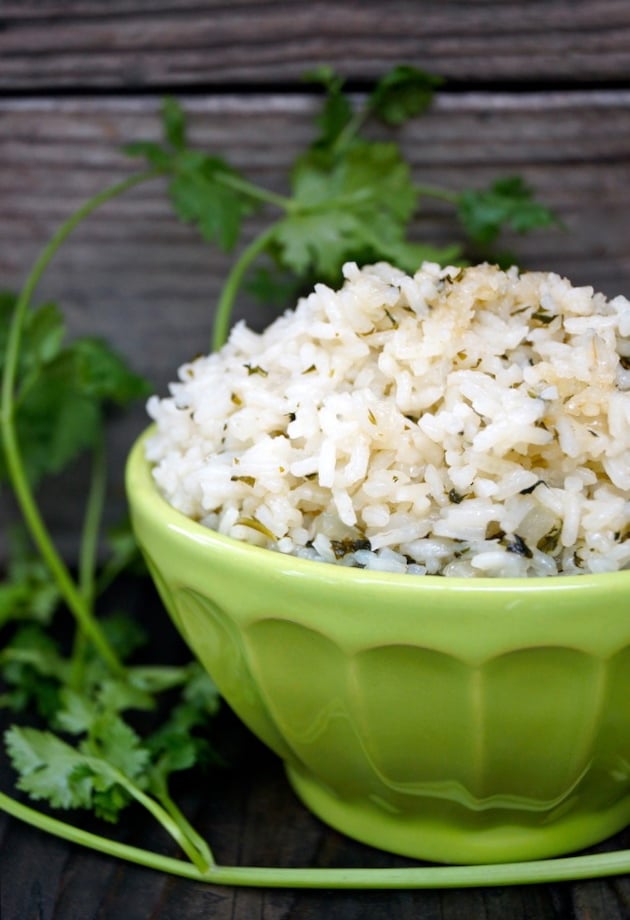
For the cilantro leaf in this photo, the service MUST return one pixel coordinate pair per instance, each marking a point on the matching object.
(42, 336)
(52, 770)
(379, 178)
(201, 197)
(318, 243)
(94, 714)
(28, 591)
(77, 711)
(508, 202)
(54, 425)
(174, 745)
(101, 374)
(200, 693)
(89, 709)
(345, 209)
(118, 744)
(110, 758)
(153, 152)
(403, 93)
(336, 112)
(162, 155)
(124, 633)
(174, 123)
(49, 769)
(45, 333)
(33, 672)
(204, 190)
(62, 390)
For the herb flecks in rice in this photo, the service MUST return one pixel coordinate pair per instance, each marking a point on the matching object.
(459, 422)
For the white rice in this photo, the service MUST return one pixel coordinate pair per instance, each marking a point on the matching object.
(465, 422)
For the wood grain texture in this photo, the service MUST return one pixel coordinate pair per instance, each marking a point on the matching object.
(134, 274)
(134, 43)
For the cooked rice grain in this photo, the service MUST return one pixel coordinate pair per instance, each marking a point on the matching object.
(468, 422)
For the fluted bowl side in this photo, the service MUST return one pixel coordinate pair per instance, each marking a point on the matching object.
(449, 719)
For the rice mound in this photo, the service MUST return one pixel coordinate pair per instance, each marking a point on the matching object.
(460, 422)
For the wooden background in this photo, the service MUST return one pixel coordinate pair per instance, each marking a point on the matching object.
(539, 88)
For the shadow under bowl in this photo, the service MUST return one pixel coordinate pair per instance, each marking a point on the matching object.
(453, 720)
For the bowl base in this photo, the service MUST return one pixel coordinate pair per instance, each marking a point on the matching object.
(425, 836)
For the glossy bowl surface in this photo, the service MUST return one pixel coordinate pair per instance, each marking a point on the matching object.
(453, 720)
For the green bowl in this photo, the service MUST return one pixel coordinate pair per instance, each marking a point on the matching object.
(448, 719)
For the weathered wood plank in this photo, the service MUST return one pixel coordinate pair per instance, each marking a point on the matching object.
(134, 43)
(135, 275)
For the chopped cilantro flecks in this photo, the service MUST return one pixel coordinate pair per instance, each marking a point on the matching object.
(515, 544)
(549, 542)
(342, 548)
(255, 369)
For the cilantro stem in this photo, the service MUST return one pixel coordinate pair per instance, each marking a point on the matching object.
(15, 466)
(570, 868)
(173, 823)
(233, 282)
(88, 549)
(351, 129)
(92, 522)
(254, 191)
(175, 812)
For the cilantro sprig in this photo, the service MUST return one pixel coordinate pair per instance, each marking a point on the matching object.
(98, 761)
(54, 401)
(62, 390)
(348, 196)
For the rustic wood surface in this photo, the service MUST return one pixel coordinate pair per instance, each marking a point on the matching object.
(538, 88)
(136, 43)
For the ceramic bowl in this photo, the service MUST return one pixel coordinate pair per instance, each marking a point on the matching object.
(447, 719)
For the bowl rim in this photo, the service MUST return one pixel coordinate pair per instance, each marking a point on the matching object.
(143, 492)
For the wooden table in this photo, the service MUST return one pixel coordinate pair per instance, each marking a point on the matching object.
(536, 89)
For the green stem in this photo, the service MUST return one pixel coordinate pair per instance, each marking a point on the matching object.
(92, 523)
(564, 869)
(178, 829)
(78, 659)
(351, 129)
(88, 551)
(15, 467)
(233, 282)
(256, 192)
(187, 828)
